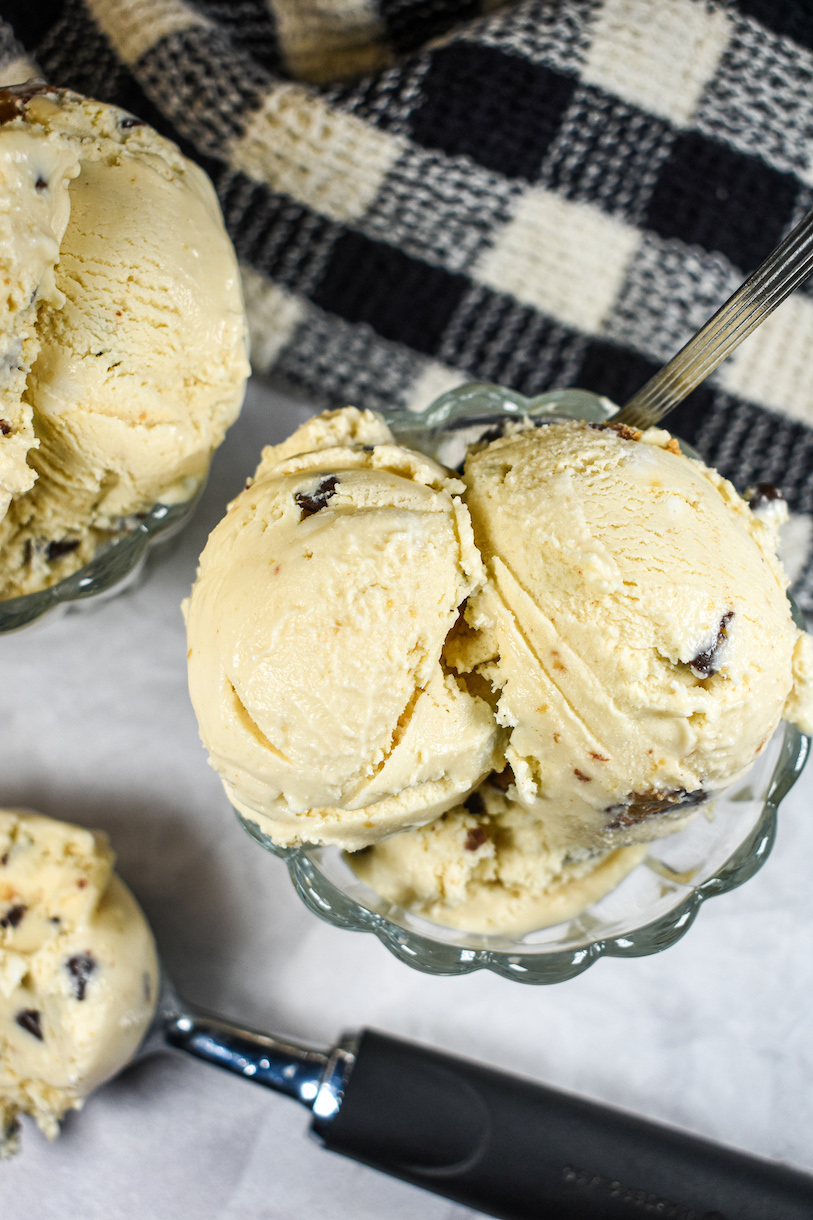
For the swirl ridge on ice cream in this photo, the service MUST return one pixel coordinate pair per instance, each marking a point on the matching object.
(611, 640)
(124, 331)
(316, 627)
(634, 622)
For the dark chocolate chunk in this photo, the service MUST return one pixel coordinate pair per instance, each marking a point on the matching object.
(584, 779)
(761, 494)
(81, 966)
(64, 547)
(13, 99)
(130, 122)
(640, 805)
(29, 1019)
(41, 184)
(5, 427)
(4, 857)
(310, 503)
(475, 838)
(13, 915)
(28, 551)
(475, 803)
(501, 779)
(706, 663)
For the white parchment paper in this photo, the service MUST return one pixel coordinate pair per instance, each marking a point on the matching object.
(96, 727)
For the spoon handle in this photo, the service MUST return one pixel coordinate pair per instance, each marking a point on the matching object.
(783, 270)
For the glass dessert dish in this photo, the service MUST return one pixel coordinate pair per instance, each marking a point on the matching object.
(725, 844)
(116, 564)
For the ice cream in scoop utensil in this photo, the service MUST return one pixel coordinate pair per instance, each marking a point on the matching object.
(484, 1138)
(782, 271)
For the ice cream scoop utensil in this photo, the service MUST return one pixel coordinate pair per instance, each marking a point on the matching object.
(783, 270)
(487, 1139)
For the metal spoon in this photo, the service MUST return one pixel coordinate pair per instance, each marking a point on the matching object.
(486, 1139)
(783, 270)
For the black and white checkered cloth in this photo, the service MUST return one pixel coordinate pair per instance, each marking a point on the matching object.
(541, 194)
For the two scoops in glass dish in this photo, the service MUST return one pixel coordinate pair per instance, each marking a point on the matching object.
(505, 684)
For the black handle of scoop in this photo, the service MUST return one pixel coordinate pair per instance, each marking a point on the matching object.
(515, 1149)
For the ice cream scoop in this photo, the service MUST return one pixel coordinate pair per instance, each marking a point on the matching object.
(78, 970)
(480, 1137)
(137, 353)
(315, 631)
(634, 625)
(35, 171)
(491, 866)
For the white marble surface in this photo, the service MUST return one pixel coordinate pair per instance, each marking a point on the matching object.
(96, 727)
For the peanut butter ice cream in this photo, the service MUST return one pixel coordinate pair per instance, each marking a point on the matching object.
(634, 627)
(138, 357)
(491, 866)
(78, 970)
(316, 627)
(589, 614)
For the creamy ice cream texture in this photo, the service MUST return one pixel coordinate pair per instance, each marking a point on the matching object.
(634, 625)
(78, 970)
(35, 171)
(126, 301)
(491, 866)
(315, 628)
(603, 621)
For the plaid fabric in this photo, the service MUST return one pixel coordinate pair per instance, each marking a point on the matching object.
(549, 193)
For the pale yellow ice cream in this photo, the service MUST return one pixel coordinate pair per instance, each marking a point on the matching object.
(35, 169)
(142, 356)
(315, 630)
(590, 613)
(490, 866)
(78, 970)
(634, 627)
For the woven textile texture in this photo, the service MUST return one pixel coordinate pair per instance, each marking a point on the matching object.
(541, 194)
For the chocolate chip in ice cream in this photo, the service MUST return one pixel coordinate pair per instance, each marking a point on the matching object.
(13, 915)
(762, 494)
(131, 121)
(706, 662)
(475, 803)
(501, 779)
(81, 967)
(29, 1019)
(5, 427)
(13, 99)
(65, 546)
(312, 502)
(475, 838)
(640, 805)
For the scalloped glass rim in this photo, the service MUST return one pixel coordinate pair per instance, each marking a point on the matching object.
(115, 566)
(432, 953)
(443, 951)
